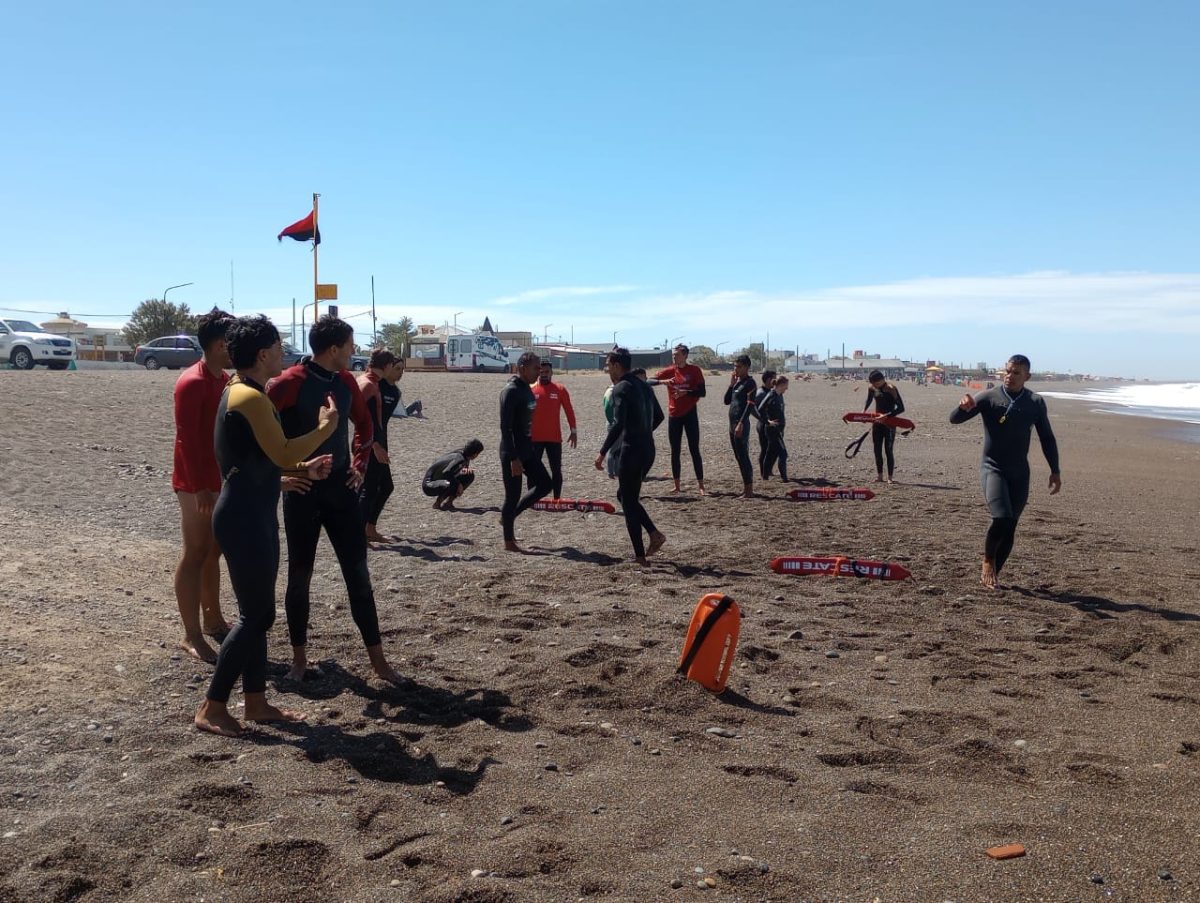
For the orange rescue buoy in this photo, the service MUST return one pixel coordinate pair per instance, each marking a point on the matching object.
(711, 641)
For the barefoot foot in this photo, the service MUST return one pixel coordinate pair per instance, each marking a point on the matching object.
(214, 718)
(657, 541)
(263, 712)
(987, 576)
(198, 648)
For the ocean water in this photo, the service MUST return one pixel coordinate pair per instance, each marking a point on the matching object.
(1179, 402)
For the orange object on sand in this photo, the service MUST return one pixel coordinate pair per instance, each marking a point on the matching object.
(1008, 851)
(711, 641)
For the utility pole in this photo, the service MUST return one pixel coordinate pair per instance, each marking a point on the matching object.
(374, 323)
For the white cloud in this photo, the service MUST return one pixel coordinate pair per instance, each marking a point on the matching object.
(1075, 302)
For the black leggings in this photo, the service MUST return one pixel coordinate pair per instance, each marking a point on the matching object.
(676, 426)
(514, 501)
(633, 471)
(249, 540)
(741, 451)
(883, 438)
(763, 470)
(999, 543)
(553, 452)
(1006, 492)
(776, 451)
(376, 490)
(331, 504)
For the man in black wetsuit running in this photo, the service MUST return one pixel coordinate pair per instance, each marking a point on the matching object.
(517, 456)
(1010, 414)
(636, 415)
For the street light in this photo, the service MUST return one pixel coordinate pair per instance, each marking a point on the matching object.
(545, 333)
(717, 350)
(456, 322)
(614, 338)
(181, 285)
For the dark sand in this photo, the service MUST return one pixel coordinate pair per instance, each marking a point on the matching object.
(1062, 712)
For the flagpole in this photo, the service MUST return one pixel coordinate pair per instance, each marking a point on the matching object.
(316, 232)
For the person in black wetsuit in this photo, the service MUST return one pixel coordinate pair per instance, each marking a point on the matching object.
(518, 459)
(772, 416)
(449, 476)
(740, 398)
(253, 452)
(768, 380)
(636, 415)
(333, 504)
(381, 396)
(1010, 413)
(888, 403)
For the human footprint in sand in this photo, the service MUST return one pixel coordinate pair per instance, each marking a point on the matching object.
(254, 453)
(1010, 414)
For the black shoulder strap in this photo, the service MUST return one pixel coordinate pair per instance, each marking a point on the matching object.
(702, 634)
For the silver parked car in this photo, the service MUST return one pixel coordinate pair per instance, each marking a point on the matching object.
(172, 352)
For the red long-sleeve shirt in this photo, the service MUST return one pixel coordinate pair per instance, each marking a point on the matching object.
(197, 397)
(685, 387)
(547, 423)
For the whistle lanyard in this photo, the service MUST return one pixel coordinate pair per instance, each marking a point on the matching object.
(1011, 401)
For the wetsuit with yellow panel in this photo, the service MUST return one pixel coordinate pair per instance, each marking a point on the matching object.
(253, 453)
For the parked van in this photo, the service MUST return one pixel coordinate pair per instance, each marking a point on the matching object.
(479, 352)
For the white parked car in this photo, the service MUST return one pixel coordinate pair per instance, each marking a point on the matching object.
(25, 345)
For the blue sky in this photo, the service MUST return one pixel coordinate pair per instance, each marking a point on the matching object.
(930, 180)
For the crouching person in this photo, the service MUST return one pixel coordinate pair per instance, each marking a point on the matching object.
(449, 476)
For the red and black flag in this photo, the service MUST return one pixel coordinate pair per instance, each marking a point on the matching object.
(303, 230)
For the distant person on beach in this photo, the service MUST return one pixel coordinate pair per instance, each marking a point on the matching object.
(299, 394)
(685, 388)
(253, 453)
(449, 476)
(613, 456)
(888, 403)
(773, 417)
(416, 409)
(1010, 413)
(381, 397)
(768, 380)
(517, 456)
(553, 400)
(636, 415)
(740, 398)
(196, 479)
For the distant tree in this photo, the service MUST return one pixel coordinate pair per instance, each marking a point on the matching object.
(703, 356)
(396, 336)
(757, 355)
(154, 318)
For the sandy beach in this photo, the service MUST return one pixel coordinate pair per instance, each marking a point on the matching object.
(876, 737)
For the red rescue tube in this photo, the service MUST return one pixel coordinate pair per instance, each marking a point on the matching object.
(838, 566)
(574, 505)
(900, 423)
(830, 493)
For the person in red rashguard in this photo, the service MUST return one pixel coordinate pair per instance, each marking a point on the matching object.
(685, 387)
(553, 400)
(196, 479)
